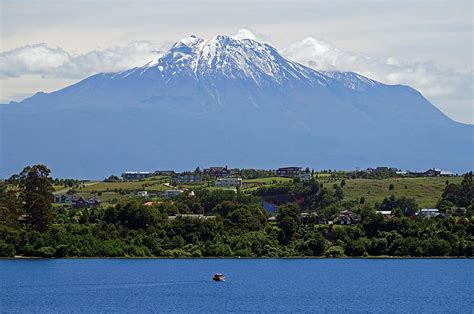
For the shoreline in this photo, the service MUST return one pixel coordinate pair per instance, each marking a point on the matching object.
(385, 257)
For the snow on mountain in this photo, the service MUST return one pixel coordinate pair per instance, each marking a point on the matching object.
(230, 101)
(233, 58)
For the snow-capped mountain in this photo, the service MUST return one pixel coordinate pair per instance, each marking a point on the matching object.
(228, 101)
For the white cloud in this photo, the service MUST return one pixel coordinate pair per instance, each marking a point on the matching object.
(434, 82)
(244, 33)
(40, 59)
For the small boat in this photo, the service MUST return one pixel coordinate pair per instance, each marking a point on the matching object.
(218, 277)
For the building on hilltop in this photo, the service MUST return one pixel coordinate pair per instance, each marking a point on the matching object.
(171, 193)
(311, 218)
(187, 178)
(305, 176)
(229, 182)
(62, 198)
(288, 172)
(75, 201)
(82, 202)
(428, 212)
(217, 172)
(164, 173)
(432, 172)
(136, 175)
(446, 173)
(191, 216)
(456, 211)
(347, 217)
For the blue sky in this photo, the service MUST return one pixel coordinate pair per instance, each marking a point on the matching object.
(46, 45)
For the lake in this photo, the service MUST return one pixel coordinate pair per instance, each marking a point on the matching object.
(256, 285)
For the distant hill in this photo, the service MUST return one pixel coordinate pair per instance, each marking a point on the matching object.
(228, 101)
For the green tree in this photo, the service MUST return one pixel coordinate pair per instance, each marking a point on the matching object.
(36, 192)
(339, 193)
(355, 247)
(315, 243)
(10, 206)
(466, 191)
(288, 221)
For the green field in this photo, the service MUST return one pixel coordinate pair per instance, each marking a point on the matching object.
(249, 185)
(152, 184)
(268, 180)
(426, 191)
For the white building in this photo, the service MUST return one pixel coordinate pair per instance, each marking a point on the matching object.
(229, 182)
(446, 173)
(304, 176)
(171, 193)
(193, 216)
(428, 212)
(142, 193)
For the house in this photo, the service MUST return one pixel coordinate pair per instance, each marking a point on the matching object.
(152, 203)
(62, 199)
(446, 173)
(187, 178)
(142, 193)
(288, 172)
(229, 182)
(347, 217)
(311, 218)
(428, 212)
(456, 211)
(136, 175)
(401, 173)
(304, 176)
(164, 173)
(217, 172)
(171, 193)
(432, 172)
(384, 213)
(193, 216)
(81, 202)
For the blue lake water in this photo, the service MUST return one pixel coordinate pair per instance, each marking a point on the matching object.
(256, 285)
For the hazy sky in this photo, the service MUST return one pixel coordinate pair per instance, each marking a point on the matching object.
(46, 45)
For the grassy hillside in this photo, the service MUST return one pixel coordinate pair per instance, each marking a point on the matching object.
(151, 184)
(426, 191)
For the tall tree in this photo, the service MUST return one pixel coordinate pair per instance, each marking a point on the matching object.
(9, 206)
(36, 192)
(467, 190)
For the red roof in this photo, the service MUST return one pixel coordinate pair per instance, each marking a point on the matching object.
(152, 203)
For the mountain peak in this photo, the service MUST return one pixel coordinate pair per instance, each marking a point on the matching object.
(232, 57)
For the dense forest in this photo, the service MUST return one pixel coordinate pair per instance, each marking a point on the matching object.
(229, 224)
